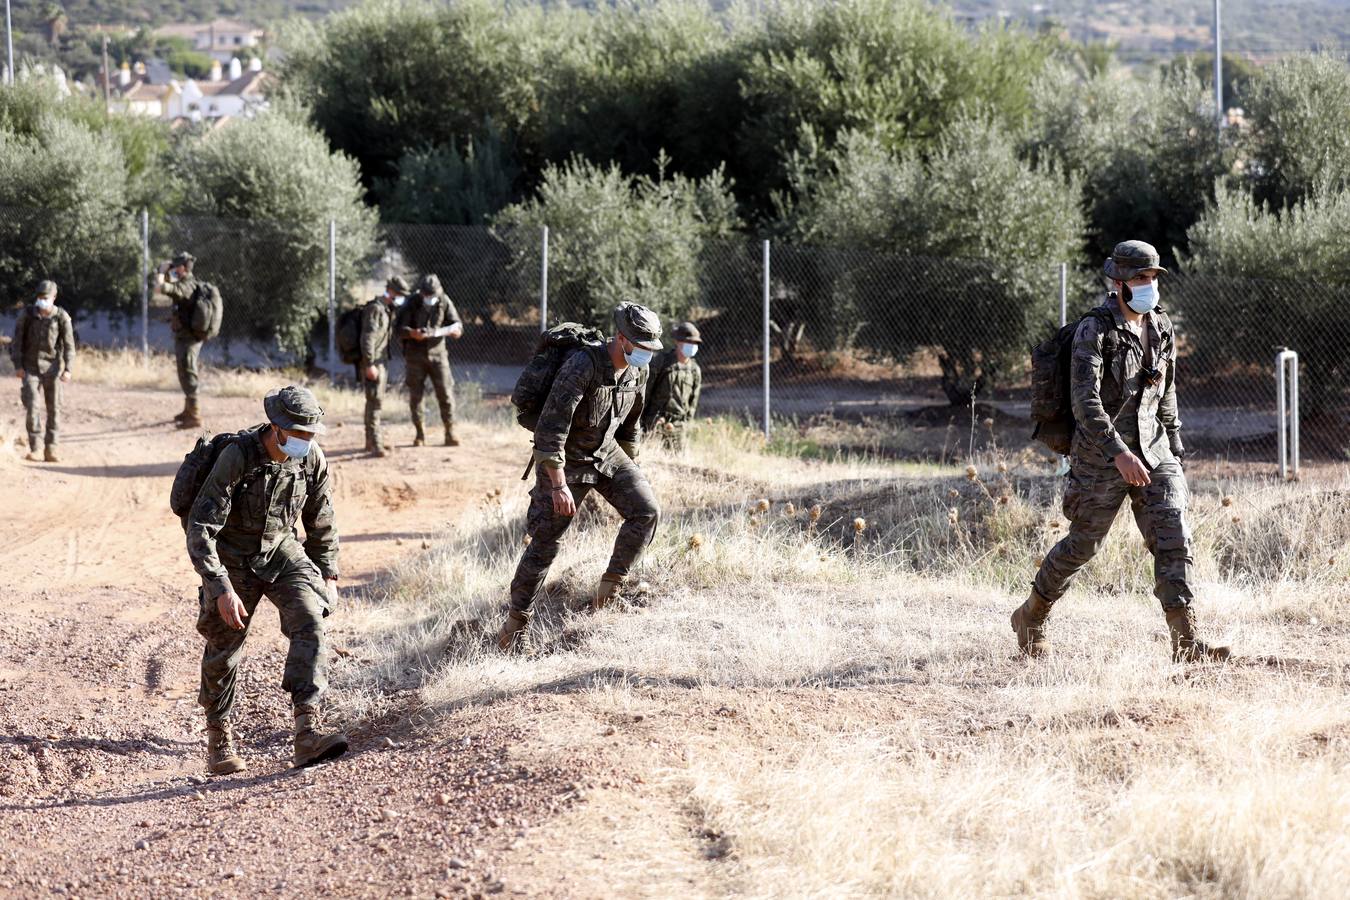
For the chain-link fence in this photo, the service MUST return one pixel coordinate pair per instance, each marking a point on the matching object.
(825, 338)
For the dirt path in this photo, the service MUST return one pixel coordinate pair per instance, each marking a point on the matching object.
(101, 748)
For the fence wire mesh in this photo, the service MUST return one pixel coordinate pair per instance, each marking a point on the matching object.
(899, 343)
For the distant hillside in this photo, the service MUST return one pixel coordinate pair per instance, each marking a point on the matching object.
(158, 12)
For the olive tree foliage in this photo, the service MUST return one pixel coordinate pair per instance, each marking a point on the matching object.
(1298, 129)
(63, 215)
(616, 237)
(957, 250)
(259, 196)
(1257, 277)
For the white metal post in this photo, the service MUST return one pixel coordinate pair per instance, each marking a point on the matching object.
(543, 283)
(1218, 69)
(1286, 411)
(1063, 294)
(332, 301)
(767, 425)
(145, 286)
(9, 45)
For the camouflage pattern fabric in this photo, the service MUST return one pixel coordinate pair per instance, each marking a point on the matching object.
(374, 390)
(376, 328)
(592, 409)
(626, 489)
(673, 390)
(186, 351)
(437, 368)
(416, 314)
(186, 348)
(44, 348)
(50, 386)
(299, 597)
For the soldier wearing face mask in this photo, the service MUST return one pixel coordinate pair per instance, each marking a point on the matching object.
(1127, 446)
(425, 321)
(674, 383)
(241, 536)
(43, 353)
(376, 327)
(587, 440)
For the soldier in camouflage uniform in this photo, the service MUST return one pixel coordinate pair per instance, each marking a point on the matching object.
(674, 383)
(423, 325)
(586, 440)
(241, 537)
(176, 281)
(376, 327)
(43, 353)
(1127, 446)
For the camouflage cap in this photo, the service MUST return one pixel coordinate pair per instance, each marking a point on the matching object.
(1129, 258)
(639, 324)
(686, 332)
(182, 258)
(294, 409)
(398, 285)
(429, 284)
(46, 289)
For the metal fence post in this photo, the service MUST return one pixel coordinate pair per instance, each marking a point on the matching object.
(543, 283)
(767, 424)
(145, 287)
(332, 301)
(1286, 411)
(1063, 294)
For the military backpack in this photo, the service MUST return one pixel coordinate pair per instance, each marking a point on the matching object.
(349, 336)
(555, 347)
(201, 459)
(1051, 382)
(205, 311)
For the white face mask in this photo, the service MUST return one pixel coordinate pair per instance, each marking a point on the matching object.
(689, 350)
(1143, 298)
(395, 299)
(431, 300)
(46, 304)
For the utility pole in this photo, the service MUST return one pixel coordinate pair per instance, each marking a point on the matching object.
(1218, 69)
(9, 44)
(107, 103)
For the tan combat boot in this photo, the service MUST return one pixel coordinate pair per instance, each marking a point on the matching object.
(311, 744)
(419, 437)
(192, 416)
(1185, 648)
(450, 439)
(1028, 622)
(607, 591)
(178, 417)
(49, 454)
(221, 756)
(515, 634)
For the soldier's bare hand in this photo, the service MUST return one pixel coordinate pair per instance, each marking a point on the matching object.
(231, 610)
(456, 330)
(1132, 469)
(563, 502)
(372, 373)
(65, 376)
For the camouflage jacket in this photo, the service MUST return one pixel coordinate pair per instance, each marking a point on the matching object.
(43, 345)
(375, 330)
(1116, 406)
(673, 390)
(246, 512)
(592, 419)
(416, 314)
(180, 292)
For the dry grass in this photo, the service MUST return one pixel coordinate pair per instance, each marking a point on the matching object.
(886, 740)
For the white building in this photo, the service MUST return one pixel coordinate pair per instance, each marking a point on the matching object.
(221, 39)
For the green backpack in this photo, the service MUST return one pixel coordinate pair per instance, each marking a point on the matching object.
(555, 346)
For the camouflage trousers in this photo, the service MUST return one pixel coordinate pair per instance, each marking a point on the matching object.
(50, 386)
(186, 351)
(437, 368)
(300, 600)
(627, 490)
(1093, 497)
(374, 389)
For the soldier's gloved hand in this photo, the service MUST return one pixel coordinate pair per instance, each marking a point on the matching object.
(231, 610)
(331, 585)
(1178, 451)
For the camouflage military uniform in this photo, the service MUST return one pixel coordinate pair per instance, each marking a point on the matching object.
(589, 427)
(241, 537)
(428, 358)
(187, 348)
(1119, 408)
(376, 327)
(673, 389)
(44, 348)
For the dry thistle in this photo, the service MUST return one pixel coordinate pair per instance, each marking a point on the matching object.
(762, 506)
(859, 525)
(790, 510)
(1002, 468)
(1003, 500)
(953, 494)
(989, 423)
(815, 513)
(1237, 520)
(1227, 501)
(972, 473)
(754, 521)
(525, 541)
(953, 515)
(695, 541)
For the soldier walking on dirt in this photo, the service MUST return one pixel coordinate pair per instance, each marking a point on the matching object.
(376, 327)
(424, 323)
(43, 353)
(1127, 445)
(241, 537)
(674, 382)
(586, 440)
(176, 281)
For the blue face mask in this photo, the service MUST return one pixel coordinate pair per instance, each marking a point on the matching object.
(294, 447)
(638, 357)
(689, 350)
(1143, 298)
